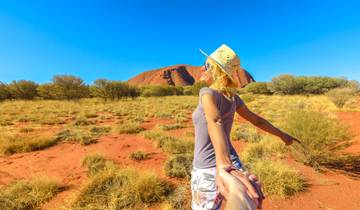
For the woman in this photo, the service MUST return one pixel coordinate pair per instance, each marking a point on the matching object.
(217, 170)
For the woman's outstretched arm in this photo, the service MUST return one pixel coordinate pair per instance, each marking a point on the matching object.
(263, 124)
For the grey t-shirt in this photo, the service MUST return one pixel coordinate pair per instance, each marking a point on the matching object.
(204, 153)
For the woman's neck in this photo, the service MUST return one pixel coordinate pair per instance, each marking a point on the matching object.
(228, 96)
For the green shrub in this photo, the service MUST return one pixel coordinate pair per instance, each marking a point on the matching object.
(321, 136)
(339, 96)
(160, 90)
(4, 91)
(179, 166)
(139, 155)
(28, 195)
(22, 89)
(197, 86)
(289, 84)
(258, 88)
(113, 90)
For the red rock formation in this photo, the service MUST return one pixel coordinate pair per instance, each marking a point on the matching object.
(181, 75)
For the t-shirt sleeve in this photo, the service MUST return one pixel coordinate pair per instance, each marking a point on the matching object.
(239, 102)
(203, 91)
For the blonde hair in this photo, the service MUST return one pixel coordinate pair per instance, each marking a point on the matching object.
(221, 80)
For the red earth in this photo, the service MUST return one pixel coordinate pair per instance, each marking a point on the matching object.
(329, 190)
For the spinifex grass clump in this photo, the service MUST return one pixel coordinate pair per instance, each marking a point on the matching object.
(83, 137)
(322, 137)
(139, 155)
(28, 195)
(178, 199)
(339, 96)
(278, 179)
(113, 188)
(168, 143)
(179, 166)
(129, 128)
(11, 143)
(246, 132)
(96, 163)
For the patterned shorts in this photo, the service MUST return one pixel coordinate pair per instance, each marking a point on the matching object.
(205, 194)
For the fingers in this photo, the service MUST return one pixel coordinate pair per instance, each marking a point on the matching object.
(222, 189)
(297, 141)
(251, 190)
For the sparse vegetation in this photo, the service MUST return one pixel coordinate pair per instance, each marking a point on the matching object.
(246, 132)
(76, 136)
(322, 137)
(171, 127)
(339, 96)
(11, 144)
(278, 179)
(179, 166)
(28, 195)
(129, 128)
(119, 188)
(139, 155)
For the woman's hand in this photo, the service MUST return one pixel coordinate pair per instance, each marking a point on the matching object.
(288, 140)
(237, 186)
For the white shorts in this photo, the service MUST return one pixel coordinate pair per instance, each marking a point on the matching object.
(205, 195)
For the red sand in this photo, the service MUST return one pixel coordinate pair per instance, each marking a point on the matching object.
(331, 191)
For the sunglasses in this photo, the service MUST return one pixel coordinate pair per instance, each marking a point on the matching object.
(207, 66)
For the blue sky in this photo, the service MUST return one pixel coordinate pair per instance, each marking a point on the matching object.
(119, 39)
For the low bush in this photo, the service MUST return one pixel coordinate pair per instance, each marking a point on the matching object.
(258, 88)
(170, 144)
(139, 155)
(121, 189)
(76, 136)
(178, 200)
(339, 96)
(129, 128)
(161, 90)
(96, 163)
(322, 137)
(15, 144)
(277, 178)
(179, 166)
(28, 195)
(171, 127)
(100, 130)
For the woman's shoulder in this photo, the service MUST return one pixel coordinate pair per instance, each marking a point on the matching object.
(205, 90)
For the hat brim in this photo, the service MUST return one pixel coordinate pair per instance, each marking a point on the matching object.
(222, 68)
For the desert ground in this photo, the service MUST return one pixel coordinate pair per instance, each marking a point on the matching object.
(52, 138)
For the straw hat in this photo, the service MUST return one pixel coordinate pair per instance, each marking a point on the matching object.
(226, 58)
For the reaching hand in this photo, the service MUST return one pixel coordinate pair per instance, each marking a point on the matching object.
(236, 187)
(289, 139)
